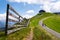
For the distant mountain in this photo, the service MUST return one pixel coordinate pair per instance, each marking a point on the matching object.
(2, 24)
(57, 13)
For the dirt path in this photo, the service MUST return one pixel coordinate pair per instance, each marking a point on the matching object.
(30, 35)
(48, 29)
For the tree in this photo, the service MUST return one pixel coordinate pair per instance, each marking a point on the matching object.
(41, 11)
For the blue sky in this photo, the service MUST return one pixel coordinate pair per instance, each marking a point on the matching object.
(22, 8)
(29, 8)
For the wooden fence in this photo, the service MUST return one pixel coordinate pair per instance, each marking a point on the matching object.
(8, 13)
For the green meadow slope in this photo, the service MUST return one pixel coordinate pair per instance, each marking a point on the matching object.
(53, 23)
(35, 20)
(38, 32)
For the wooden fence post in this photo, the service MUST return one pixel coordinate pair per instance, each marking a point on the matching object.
(19, 18)
(6, 26)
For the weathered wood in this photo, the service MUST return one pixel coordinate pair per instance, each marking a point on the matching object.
(6, 26)
(28, 22)
(14, 11)
(11, 20)
(19, 18)
(10, 14)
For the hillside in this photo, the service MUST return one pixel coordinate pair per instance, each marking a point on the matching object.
(38, 33)
(53, 23)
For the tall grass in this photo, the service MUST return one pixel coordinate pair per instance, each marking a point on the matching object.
(19, 35)
(40, 35)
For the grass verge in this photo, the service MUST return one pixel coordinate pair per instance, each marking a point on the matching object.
(39, 35)
(19, 35)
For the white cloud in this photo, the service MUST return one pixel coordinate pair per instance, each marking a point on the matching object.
(51, 6)
(27, 1)
(47, 5)
(3, 16)
(56, 6)
(32, 1)
(30, 11)
(27, 16)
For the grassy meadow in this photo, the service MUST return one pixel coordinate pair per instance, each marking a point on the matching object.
(19, 35)
(38, 32)
(53, 23)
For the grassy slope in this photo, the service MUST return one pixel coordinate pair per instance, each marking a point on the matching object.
(35, 20)
(53, 23)
(19, 35)
(38, 33)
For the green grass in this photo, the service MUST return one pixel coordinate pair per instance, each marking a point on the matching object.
(38, 33)
(53, 23)
(35, 20)
(19, 35)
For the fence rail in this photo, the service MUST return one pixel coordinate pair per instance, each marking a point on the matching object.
(13, 16)
(18, 21)
(11, 20)
(8, 13)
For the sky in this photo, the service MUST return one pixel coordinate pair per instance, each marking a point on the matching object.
(29, 8)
